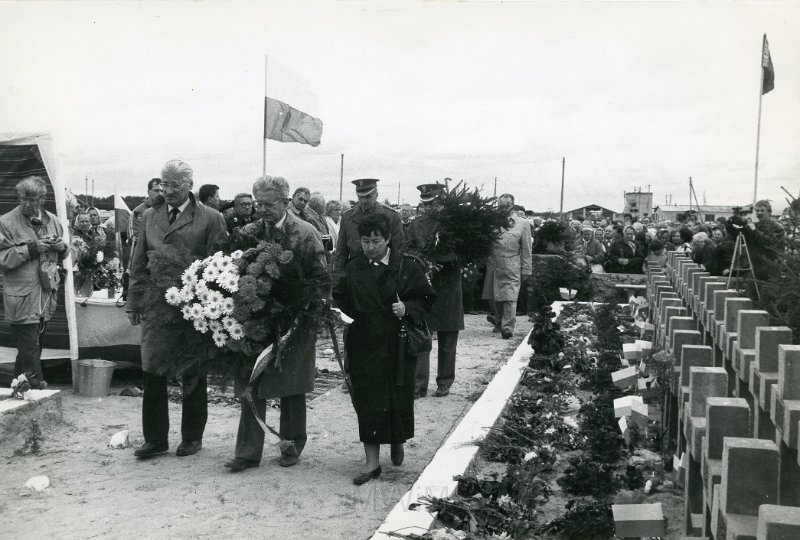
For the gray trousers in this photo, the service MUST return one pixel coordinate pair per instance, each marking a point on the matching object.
(250, 438)
(505, 314)
(446, 370)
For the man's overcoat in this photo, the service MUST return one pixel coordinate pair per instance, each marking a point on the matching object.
(298, 364)
(162, 253)
(510, 260)
(447, 313)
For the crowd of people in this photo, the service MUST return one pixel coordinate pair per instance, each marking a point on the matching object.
(364, 259)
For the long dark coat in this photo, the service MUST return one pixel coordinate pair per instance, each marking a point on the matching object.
(366, 292)
(162, 253)
(447, 313)
(298, 364)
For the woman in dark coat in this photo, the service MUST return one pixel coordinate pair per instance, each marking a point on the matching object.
(624, 255)
(383, 384)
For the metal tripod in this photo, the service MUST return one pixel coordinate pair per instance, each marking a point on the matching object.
(741, 248)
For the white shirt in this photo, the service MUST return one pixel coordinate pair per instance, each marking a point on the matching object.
(384, 261)
(181, 208)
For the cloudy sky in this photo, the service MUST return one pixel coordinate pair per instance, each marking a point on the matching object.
(631, 94)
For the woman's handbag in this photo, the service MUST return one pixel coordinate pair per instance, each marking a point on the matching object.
(418, 336)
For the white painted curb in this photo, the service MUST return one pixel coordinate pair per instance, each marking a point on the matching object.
(458, 451)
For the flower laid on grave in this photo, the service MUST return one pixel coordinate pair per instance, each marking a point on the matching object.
(24, 382)
(206, 297)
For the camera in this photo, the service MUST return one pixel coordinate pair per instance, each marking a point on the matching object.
(327, 242)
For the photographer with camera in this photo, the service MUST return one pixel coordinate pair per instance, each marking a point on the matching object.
(31, 246)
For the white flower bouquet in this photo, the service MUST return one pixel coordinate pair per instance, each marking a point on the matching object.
(206, 297)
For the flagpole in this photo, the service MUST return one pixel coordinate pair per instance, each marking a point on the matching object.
(264, 154)
(561, 207)
(758, 129)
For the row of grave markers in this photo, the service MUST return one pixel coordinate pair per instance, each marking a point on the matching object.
(733, 405)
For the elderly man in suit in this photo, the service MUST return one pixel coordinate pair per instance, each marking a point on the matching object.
(296, 375)
(173, 234)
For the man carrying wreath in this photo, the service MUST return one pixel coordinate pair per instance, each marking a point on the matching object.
(300, 290)
(173, 233)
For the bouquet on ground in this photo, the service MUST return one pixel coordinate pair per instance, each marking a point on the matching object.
(206, 297)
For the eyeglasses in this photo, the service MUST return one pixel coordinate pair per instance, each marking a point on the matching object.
(263, 205)
(31, 199)
(172, 185)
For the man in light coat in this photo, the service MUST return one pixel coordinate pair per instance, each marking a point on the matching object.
(509, 262)
(295, 377)
(173, 234)
(29, 236)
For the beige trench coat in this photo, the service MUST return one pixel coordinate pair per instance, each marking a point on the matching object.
(510, 260)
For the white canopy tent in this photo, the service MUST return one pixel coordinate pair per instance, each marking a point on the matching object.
(19, 154)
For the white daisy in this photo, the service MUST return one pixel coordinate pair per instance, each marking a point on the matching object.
(200, 286)
(202, 295)
(173, 296)
(201, 326)
(187, 294)
(229, 281)
(196, 311)
(225, 264)
(228, 323)
(187, 312)
(237, 254)
(215, 298)
(211, 273)
(236, 331)
(219, 339)
(189, 278)
(227, 306)
(215, 326)
(212, 311)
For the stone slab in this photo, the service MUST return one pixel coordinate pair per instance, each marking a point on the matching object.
(750, 475)
(778, 522)
(637, 520)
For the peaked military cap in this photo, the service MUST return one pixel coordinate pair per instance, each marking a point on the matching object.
(428, 192)
(365, 186)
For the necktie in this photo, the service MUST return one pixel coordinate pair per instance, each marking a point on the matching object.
(173, 215)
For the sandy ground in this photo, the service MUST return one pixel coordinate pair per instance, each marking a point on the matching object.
(98, 492)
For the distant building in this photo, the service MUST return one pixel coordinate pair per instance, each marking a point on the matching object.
(591, 212)
(679, 212)
(639, 204)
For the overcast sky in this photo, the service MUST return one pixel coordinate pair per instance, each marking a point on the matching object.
(632, 94)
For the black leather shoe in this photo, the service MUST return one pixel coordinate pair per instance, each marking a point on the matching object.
(420, 392)
(187, 448)
(507, 334)
(287, 461)
(240, 464)
(398, 454)
(367, 476)
(150, 449)
(492, 319)
(442, 391)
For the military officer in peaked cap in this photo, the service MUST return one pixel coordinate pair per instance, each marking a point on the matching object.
(348, 244)
(446, 317)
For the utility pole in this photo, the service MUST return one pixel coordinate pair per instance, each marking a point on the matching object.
(495, 187)
(398, 193)
(341, 177)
